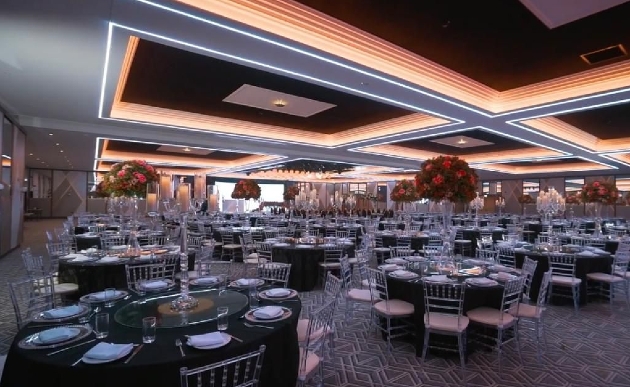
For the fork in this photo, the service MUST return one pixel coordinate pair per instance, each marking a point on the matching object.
(178, 343)
(256, 326)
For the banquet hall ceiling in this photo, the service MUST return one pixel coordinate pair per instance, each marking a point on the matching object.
(161, 72)
(499, 43)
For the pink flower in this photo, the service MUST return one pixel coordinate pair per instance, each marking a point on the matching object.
(121, 173)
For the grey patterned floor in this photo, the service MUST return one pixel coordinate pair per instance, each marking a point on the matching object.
(589, 350)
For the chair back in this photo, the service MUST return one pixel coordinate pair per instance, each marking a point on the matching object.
(332, 286)
(31, 296)
(149, 271)
(275, 273)
(239, 371)
(506, 257)
(529, 268)
(512, 291)
(562, 265)
(220, 269)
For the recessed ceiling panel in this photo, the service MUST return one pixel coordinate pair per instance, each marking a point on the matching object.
(461, 142)
(261, 98)
(140, 148)
(184, 150)
(488, 142)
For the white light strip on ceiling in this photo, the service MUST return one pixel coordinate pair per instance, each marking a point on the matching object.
(549, 137)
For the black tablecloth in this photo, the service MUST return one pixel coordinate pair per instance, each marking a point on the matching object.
(418, 242)
(93, 276)
(583, 266)
(412, 291)
(304, 264)
(157, 364)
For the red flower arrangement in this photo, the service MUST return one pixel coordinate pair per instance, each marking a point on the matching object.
(573, 198)
(246, 189)
(599, 192)
(627, 199)
(129, 178)
(526, 199)
(447, 178)
(291, 193)
(404, 191)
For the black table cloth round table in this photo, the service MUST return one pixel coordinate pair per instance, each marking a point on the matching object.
(157, 364)
(418, 242)
(412, 291)
(94, 276)
(304, 263)
(583, 266)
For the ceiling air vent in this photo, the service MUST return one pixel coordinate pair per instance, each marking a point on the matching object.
(605, 54)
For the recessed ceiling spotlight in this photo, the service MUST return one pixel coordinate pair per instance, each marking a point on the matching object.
(50, 134)
(280, 103)
(61, 151)
(30, 154)
(57, 144)
(365, 84)
(461, 141)
(43, 162)
(187, 149)
(37, 158)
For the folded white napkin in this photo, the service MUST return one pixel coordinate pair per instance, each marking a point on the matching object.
(587, 253)
(402, 273)
(395, 260)
(108, 259)
(62, 312)
(268, 312)
(56, 334)
(103, 296)
(500, 268)
(108, 351)
(81, 258)
(205, 340)
(90, 250)
(158, 284)
(282, 244)
(505, 276)
(278, 292)
(207, 280)
(481, 281)
(437, 278)
(597, 250)
(247, 281)
(389, 266)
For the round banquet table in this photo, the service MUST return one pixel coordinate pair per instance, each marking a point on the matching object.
(418, 242)
(412, 291)
(157, 364)
(304, 263)
(583, 266)
(93, 276)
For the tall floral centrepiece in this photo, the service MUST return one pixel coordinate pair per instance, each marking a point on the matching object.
(599, 192)
(447, 179)
(291, 193)
(404, 191)
(129, 178)
(246, 189)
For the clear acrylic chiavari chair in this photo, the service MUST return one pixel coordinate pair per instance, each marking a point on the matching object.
(275, 273)
(31, 296)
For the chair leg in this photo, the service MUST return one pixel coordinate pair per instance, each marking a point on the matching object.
(462, 354)
(576, 298)
(518, 342)
(539, 334)
(389, 334)
(500, 350)
(425, 346)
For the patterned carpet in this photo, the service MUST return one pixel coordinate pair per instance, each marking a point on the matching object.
(587, 350)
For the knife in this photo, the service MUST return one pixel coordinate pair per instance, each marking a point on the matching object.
(73, 346)
(134, 353)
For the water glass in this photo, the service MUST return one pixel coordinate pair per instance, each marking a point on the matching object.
(222, 318)
(140, 289)
(86, 317)
(110, 294)
(101, 325)
(149, 325)
(253, 296)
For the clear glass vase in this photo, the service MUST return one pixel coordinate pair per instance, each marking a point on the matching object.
(597, 216)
